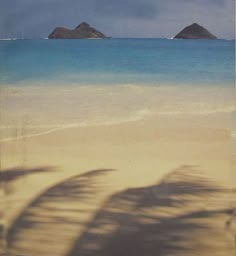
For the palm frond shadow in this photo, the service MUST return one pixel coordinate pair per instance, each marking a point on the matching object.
(2, 240)
(168, 218)
(7, 177)
(51, 217)
(10, 175)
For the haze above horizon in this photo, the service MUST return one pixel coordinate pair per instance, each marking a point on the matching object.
(118, 19)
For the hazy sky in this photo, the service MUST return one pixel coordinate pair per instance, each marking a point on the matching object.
(117, 18)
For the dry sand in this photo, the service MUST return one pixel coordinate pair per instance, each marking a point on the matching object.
(158, 186)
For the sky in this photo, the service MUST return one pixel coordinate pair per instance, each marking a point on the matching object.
(116, 18)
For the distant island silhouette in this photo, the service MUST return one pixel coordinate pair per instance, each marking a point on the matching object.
(85, 31)
(82, 31)
(195, 31)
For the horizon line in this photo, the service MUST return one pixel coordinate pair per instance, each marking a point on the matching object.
(46, 38)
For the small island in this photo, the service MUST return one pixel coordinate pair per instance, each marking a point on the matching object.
(83, 31)
(195, 31)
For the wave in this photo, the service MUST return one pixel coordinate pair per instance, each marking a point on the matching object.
(140, 115)
(40, 110)
(8, 39)
(30, 135)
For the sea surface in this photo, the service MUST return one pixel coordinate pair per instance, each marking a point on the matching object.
(55, 84)
(117, 61)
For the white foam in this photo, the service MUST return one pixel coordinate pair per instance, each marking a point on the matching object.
(43, 110)
(8, 39)
(30, 135)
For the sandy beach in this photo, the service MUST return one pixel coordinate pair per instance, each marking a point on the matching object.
(166, 181)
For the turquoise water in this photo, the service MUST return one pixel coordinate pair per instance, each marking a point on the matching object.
(44, 83)
(117, 61)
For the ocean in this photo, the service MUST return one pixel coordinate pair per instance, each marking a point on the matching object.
(117, 61)
(48, 85)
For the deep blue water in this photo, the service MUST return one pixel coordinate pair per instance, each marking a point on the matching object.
(145, 61)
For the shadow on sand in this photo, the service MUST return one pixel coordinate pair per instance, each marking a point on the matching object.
(49, 221)
(7, 177)
(183, 214)
(10, 175)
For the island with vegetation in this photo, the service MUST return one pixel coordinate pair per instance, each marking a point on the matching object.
(83, 31)
(195, 31)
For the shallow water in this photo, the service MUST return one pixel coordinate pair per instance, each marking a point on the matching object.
(39, 110)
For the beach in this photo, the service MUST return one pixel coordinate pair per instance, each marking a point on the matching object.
(117, 128)
(117, 147)
(138, 161)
